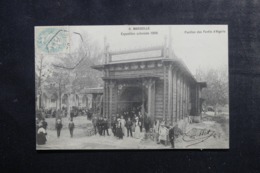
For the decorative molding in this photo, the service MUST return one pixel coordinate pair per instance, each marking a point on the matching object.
(150, 64)
(142, 65)
(148, 83)
(134, 66)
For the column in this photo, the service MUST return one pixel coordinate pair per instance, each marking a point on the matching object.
(170, 93)
(164, 92)
(174, 95)
(150, 85)
(111, 100)
(177, 97)
(105, 103)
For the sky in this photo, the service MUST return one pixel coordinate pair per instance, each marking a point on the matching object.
(199, 46)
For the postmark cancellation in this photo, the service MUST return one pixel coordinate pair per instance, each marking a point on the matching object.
(52, 40)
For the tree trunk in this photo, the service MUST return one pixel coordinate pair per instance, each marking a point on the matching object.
(215, 109)
(40, 85)
(59, 97)
(68, 107)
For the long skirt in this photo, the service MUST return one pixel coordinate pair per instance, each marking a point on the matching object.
(137, 132)
(119, 133)
(41, 139)
(124, 131)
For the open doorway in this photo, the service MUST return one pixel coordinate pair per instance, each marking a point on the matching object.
(133, 98)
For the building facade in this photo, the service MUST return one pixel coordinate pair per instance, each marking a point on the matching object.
(152, 79)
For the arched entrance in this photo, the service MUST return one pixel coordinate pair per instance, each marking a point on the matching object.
(132, 98)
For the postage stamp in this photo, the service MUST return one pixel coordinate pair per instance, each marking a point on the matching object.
(52, 40)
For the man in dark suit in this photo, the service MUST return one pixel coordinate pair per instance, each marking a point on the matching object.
(171, 135)
(100, 125)
(128, 126)
(105, 127)
(94, 122)
(58, 127)
(113, 125)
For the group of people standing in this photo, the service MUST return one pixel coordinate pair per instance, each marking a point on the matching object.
(120, 125)
(100, 125)
(126, 127)
(41, 129)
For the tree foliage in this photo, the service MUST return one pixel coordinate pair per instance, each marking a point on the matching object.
(216, 92)
(70, 73)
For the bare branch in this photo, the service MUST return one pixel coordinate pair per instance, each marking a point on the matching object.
(68, 68)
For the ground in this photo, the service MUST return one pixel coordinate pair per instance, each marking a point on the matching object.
(217, 138)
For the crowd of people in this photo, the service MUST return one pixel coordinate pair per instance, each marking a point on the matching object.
(135, 126)
(63, 112)
(132, 126)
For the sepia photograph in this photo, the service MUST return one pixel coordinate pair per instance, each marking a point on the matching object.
(126, 87)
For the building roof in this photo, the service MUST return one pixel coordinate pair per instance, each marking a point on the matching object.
(142, 76)
(153, 57)
(98, 90)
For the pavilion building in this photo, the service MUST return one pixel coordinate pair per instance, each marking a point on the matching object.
(152, 78)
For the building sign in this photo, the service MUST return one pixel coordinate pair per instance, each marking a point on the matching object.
(137, 55)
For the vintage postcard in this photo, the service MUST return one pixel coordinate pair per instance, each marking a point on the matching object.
(132, 87)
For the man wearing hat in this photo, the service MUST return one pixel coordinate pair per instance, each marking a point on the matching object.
(94, 122)
(129, 125)
(113, 125)
(58, 127)
(171, 134)
(105, 126)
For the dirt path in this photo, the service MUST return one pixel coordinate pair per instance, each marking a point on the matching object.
(217, 124)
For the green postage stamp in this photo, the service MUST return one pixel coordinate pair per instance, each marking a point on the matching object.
(52, 40)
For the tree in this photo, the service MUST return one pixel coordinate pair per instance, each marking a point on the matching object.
(73, 71)
(58, 83)
(42, 72)
(216, 92)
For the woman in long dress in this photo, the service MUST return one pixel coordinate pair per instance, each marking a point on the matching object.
(156, 130)
(41, 136)
(123, 125)
(119, 131)
(137, 128)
